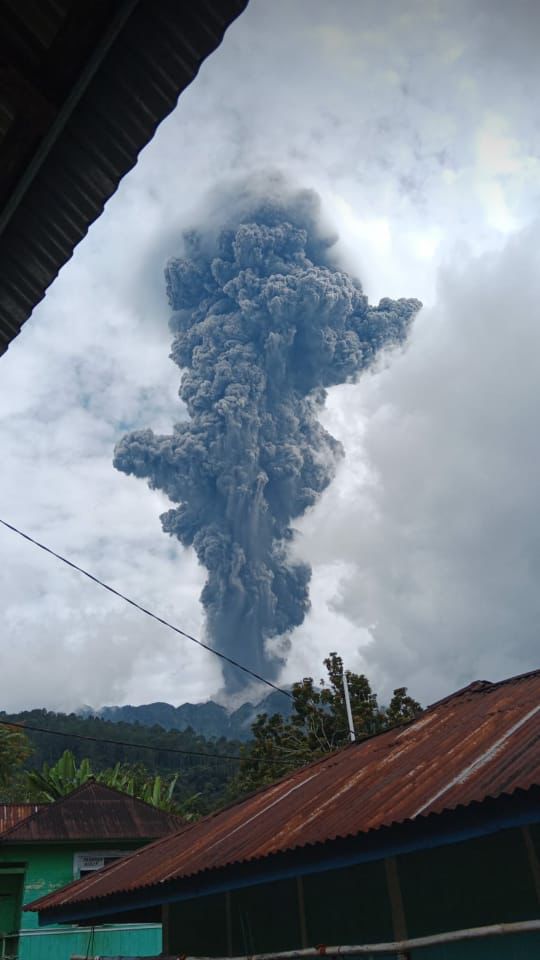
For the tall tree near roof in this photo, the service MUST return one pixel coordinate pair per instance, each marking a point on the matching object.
(14, 750)
(318, 724)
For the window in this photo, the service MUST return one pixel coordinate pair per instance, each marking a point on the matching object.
(85, 863)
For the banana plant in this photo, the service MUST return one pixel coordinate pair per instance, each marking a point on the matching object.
(65, 775)
(54, 782)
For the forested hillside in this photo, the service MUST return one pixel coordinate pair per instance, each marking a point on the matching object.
(199, 773)
(210, 719)
(207, 775)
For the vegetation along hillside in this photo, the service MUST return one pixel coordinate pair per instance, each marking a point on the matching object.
(207, 775)
(210, 719)
(184, 770)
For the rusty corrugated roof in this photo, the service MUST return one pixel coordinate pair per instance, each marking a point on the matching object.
(12, 813)
(481, 742)
(93, 812)
(83, 86)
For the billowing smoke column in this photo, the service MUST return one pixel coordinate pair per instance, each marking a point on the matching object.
(263, 323)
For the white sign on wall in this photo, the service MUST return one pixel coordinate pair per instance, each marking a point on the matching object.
(84, 863)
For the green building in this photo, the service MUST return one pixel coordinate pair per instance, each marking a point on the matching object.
(429, 830)
(43, 847)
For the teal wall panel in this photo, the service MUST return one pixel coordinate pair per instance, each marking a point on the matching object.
(113, 941)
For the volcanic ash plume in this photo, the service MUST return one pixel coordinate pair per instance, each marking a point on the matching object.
(263, 323)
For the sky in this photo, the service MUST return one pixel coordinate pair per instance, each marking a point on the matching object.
(418, 127)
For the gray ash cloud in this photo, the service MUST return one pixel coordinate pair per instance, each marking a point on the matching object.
(263, 323)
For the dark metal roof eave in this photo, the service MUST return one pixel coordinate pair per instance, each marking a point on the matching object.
(433, 830)
(94, 842)
(132, 80)
(87, 73)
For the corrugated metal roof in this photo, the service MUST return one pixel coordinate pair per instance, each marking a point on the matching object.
(93, 812)
(481, 742)
(83, 86)
(12, 813)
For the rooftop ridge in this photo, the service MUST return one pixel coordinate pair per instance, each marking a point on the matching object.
(484, 686)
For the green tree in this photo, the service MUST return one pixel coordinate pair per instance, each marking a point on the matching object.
(53, 782)
(15, 748)
(317, 725)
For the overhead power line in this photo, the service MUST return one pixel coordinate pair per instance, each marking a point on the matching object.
(149, 613)
(120, 743)
(147, 746)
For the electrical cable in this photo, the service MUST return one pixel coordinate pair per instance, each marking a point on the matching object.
(154, 616)
(137, 744)
(121, 743)
(144, 610)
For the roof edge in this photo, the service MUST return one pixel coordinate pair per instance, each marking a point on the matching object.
(483, 686)
(378, 837)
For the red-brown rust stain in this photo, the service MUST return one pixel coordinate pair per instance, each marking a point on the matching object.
(13, 813)
(444, 759)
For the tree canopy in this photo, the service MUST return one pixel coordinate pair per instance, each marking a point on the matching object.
(318, 724)
(15, 748)
(183, 771)
(106, 743)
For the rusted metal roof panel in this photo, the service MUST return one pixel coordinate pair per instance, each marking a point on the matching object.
(481, 742)
(12, 813)
(83, 86)
(93, 812)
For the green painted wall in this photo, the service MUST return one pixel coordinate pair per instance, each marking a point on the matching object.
(468, 884)
(47, 867)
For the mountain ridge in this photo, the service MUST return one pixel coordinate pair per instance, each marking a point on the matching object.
(210, 719)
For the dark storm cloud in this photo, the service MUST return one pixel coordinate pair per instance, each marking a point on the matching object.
(263, 323)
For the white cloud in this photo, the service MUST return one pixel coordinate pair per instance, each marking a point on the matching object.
(434, 512)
